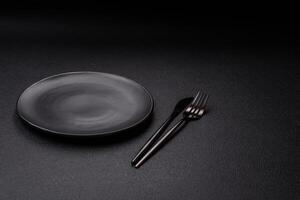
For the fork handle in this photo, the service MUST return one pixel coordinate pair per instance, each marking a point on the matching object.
(162, 141)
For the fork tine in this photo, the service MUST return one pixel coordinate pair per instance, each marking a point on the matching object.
(195, 98)
(200, 100)
(192, 105)
(201, 106)
(195, 107)
(203, 102)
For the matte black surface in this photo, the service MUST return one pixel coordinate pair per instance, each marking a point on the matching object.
(85, 104)
(246, 147)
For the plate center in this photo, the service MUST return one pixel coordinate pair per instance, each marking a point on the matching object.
(84, 105)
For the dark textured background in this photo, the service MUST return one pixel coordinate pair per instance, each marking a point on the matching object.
(246, 147)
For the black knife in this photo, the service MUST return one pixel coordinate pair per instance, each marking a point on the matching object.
(180, 106)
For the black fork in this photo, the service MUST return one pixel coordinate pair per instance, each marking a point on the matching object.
(194, 111)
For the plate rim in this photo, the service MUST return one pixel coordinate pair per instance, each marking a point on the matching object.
(105, 133)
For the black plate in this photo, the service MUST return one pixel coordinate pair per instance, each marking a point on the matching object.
(85, 104)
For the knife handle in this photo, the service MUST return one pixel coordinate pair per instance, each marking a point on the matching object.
(162, 141)
(152, 140)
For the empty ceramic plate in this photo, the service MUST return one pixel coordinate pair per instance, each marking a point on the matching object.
(85, 104)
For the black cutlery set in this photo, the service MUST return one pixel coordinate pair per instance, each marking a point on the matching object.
(84, 104)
